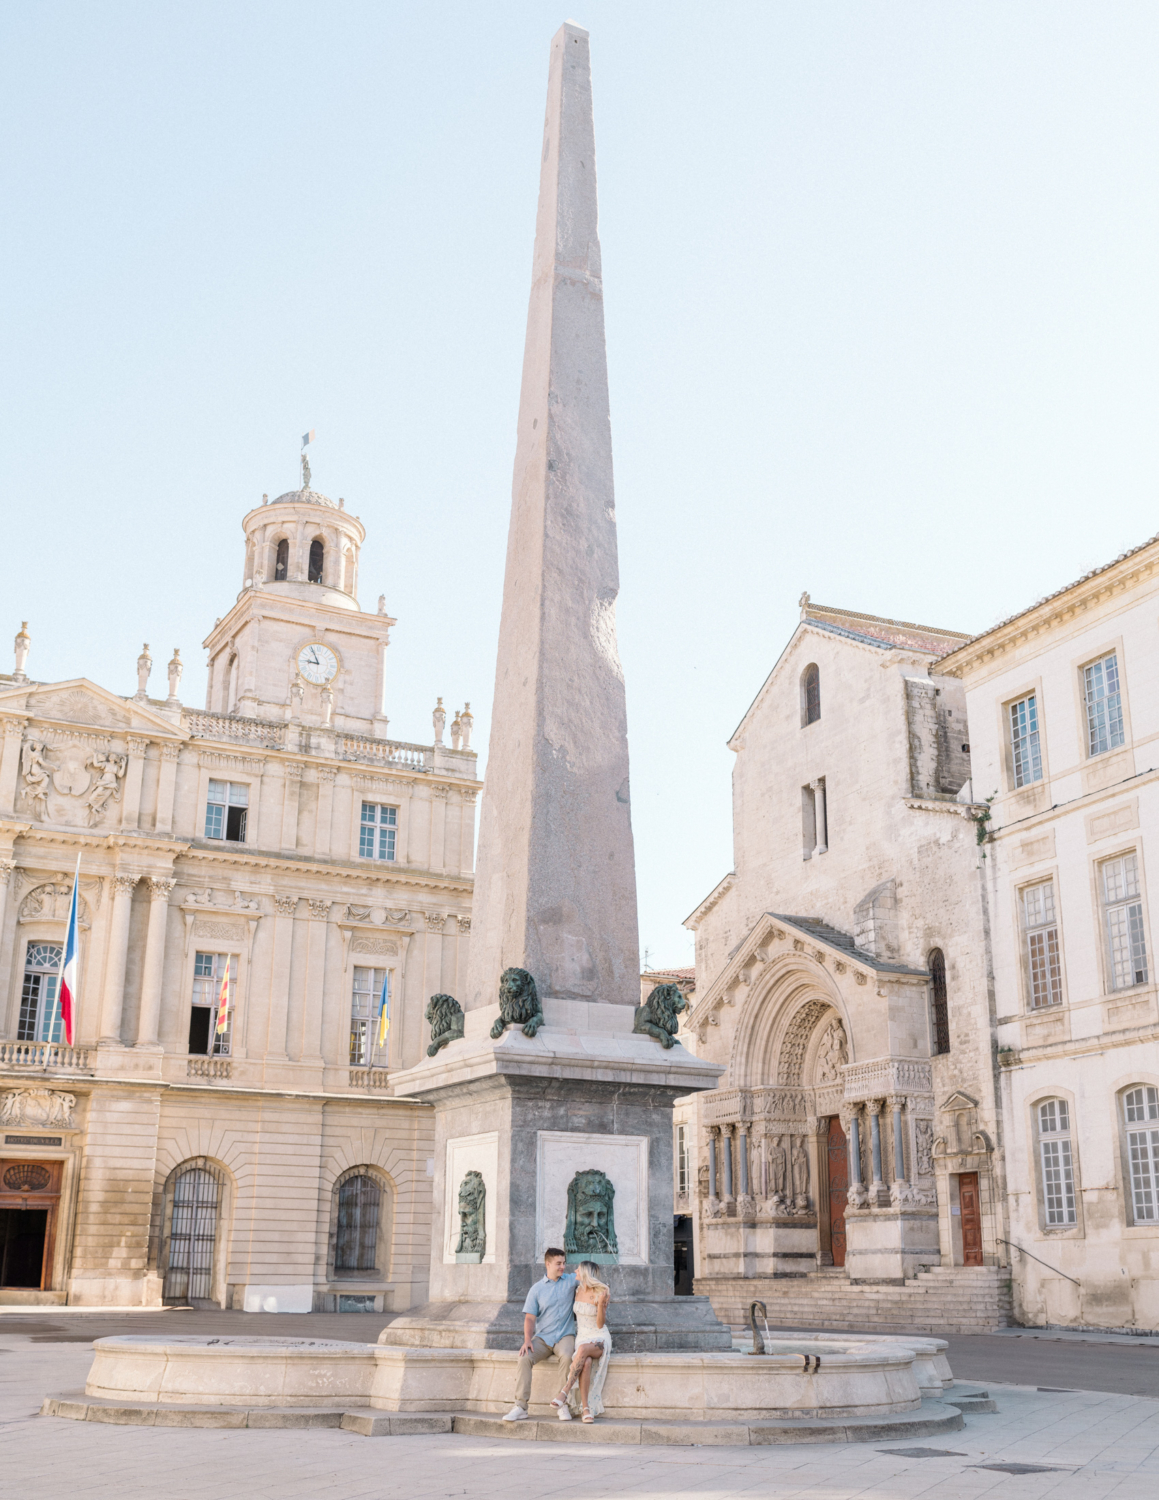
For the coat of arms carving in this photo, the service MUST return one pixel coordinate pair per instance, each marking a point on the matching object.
(81, 782)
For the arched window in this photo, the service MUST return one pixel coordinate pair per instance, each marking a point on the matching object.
(1056, 1163)
(810, 695)
(192, 1238)
(1141, 1118)
(317, 555)
(282, 561)
(359, 1204)
(40, 1016)
(939, 1005)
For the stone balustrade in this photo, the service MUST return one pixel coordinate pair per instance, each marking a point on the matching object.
(209, 1067)
(368, 1078)
(45, 1057)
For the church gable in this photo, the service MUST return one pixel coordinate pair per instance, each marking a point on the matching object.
(84, 703)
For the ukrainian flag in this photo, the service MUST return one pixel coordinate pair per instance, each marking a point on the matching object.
(384, 1008)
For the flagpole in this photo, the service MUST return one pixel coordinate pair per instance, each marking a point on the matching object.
(56, 1006)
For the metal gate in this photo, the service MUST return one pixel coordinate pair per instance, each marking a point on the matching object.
(192, 1234)
(359, 1198)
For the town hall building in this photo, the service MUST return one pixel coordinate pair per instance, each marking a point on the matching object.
(253, 877)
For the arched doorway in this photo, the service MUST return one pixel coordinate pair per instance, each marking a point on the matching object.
(191, 1244)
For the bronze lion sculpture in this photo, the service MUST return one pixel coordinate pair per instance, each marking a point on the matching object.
(657, 1017)
(446, 1017)
(518, 1003)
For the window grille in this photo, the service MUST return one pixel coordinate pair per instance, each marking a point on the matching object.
(1123, 915)
(317, 554)
(1025, 750)
(282, 561)
(683, 1166)
(197, 1195)
(378, 831)
(812, 695)
(359, 1202)
(40, 1017)
(939, 1001)
(1044, 964)
(1104, 705)
(1141, 1108)
(364, 1015)
(225, 810)
(208, 972)
(1058, 1196)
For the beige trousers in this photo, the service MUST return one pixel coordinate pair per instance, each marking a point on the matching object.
(539, 1351)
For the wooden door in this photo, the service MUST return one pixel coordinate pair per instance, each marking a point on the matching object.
(971, 1206)
(838, 1157)
(29, 1200)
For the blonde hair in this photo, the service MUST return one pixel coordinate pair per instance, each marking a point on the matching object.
(588, 1276)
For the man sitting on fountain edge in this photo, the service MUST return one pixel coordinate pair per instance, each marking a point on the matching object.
(548, 1328)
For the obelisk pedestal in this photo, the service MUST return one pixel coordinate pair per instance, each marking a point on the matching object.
(567, 1122)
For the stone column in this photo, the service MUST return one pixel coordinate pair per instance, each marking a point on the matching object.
(896, 1103)
(854, 1134)
(6, 868)
(10, 764)
(154, 966)
(820, 816)
(308, 1047)
(113, 995)
(134, 771)
(713, 1133)
(874, 1107)
(327, 776)
(726, 1135)
(166, 786)
(292, 772)
(283, 945)
(439, 827)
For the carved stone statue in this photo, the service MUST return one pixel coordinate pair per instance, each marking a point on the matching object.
(144, 667)
(35, 769)
(109, 768)
(439, 719)
(305, 472)
(456, 733)
(446, 1017)
(778, 1166)
(591, 1228)
(924, 1152)
(472, 1244)
(518, 1003)
(832, 1054)
(657, 1017)
(702, 1180)
(467, 720)
(800, 1173)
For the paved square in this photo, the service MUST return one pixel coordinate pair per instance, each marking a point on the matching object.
(1086, 1444)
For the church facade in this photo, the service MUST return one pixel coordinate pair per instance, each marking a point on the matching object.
(853, 1150)
(254, 877)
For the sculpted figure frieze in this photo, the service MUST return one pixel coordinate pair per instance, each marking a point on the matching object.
(67, 773)
(37, 1107)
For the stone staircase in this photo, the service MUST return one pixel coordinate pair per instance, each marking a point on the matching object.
(945, 1299)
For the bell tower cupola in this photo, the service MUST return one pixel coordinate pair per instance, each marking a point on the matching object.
(296, 646)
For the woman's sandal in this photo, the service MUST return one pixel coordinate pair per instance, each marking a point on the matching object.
(587, 1416)
(560, 1400)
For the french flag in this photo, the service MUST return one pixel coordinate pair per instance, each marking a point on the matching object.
(70, 964)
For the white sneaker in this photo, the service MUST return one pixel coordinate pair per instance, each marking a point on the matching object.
(516, 1414)
(564, 1414)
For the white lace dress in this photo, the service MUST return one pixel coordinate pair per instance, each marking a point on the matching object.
(586, 1332)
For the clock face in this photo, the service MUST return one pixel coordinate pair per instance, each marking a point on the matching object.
(317, 663)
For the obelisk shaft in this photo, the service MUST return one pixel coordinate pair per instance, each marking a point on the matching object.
(555, 888)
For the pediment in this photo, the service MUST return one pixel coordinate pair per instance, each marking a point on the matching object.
(958, 1100)
(85, 703)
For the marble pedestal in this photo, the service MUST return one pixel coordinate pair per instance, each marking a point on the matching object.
(890, 1244)
(528, 1114)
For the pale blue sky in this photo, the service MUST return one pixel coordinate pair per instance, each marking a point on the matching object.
(881, 290)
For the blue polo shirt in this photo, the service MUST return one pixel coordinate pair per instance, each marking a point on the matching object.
(552, 1304)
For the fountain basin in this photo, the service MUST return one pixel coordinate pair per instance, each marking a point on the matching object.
(931, 1365)
(854, 1379)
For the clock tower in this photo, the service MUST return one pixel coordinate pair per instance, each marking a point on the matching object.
(296, 646)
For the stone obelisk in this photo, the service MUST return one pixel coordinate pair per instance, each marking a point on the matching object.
(543, 1129)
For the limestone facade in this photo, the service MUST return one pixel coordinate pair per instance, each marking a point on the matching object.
(277, 832)
(841, 977)
(1063, 703)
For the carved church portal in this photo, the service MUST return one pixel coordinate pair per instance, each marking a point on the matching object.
(971, 1206)
(838, 1158)
(29, 1199)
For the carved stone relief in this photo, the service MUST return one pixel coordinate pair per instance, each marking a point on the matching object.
(70, 783)
(37, 1107)
(796, 1040)
(378, 946)
(50, 903)
(832, 1054)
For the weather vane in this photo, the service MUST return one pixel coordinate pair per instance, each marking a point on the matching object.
(307, 439)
